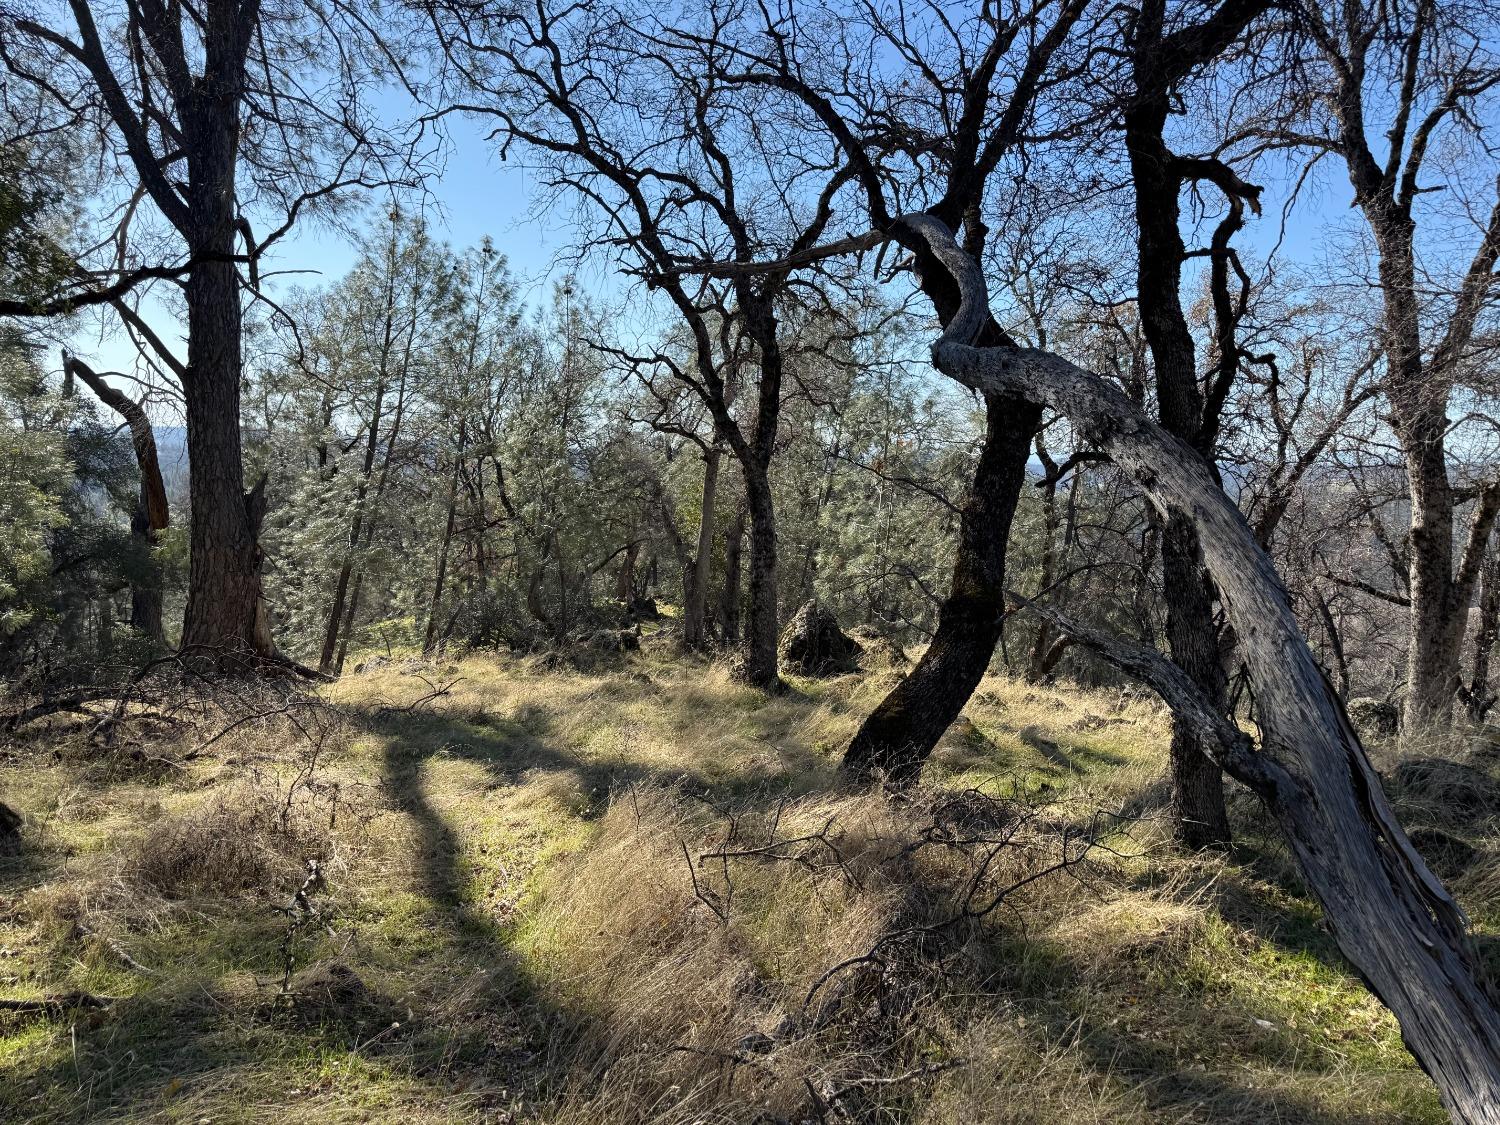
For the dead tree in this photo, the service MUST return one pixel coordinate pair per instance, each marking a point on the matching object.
(1392, 917)
(151, 516)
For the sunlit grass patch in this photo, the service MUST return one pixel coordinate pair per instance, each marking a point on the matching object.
(523, 873)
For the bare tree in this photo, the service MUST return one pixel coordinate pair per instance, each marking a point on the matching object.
(1164, 53)
(1393, 90)
(212, 117)
(151, 516)
(955, 132)
(1393, 919)
(646, 132)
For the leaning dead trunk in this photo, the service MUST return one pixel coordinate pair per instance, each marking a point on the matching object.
(151, 515)
(1391, 916)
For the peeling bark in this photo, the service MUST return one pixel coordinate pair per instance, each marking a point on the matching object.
(1392, 917)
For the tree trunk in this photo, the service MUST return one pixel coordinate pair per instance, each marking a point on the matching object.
(1331, 631)
(1433, 656)
(900, 733)
(1197, 787)
(696, 570)
(729, 603)
(1391, 916)
(145, 594)
(1037, 664)
(625, 578)
(223, 600)
(442, 563)
(151, 515)
(761, 631)
(1418, 391)
(348, 624)
(346, 568)
(1478, 696)
(1199, 816)
(224, 612)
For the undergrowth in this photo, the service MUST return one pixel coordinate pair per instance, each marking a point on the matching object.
(643, 895)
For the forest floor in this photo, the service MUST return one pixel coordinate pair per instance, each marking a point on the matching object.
(616, 896)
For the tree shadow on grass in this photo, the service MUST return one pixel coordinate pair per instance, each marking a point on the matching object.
(1189, 1053)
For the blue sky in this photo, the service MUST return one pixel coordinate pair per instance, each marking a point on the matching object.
(477, 194)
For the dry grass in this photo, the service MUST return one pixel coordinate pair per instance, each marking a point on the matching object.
(526, 918)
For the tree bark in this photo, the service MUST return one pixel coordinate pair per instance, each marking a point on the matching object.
(729, 603)
(1199, 816)
(1391, 916)
(761, 631)
(1043, 658)
(625, 577)
(897, 737)
(224, 611)
(224, 593)
(1418, 381)
(899, 734)
(430, 639)
(695, 574)
(151, 515)
(1479, 698)
(346, 568)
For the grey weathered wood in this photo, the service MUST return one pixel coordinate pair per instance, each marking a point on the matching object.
(1392, 917)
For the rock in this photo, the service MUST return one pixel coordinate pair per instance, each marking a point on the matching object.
(1447, 855)
(1373, 716)
(879, 647)
(1448, 785)
(814, 645)
(887, 651)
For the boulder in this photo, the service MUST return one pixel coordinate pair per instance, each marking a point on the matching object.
(1373, 716)
(814, 645)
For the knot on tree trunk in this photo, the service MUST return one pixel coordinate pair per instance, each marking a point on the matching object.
(814, 645)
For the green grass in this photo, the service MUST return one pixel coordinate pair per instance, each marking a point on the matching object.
(507, 882)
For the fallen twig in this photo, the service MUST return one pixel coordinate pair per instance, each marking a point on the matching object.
(58, 1003)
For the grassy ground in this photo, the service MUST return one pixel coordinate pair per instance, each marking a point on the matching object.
(515, 919)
